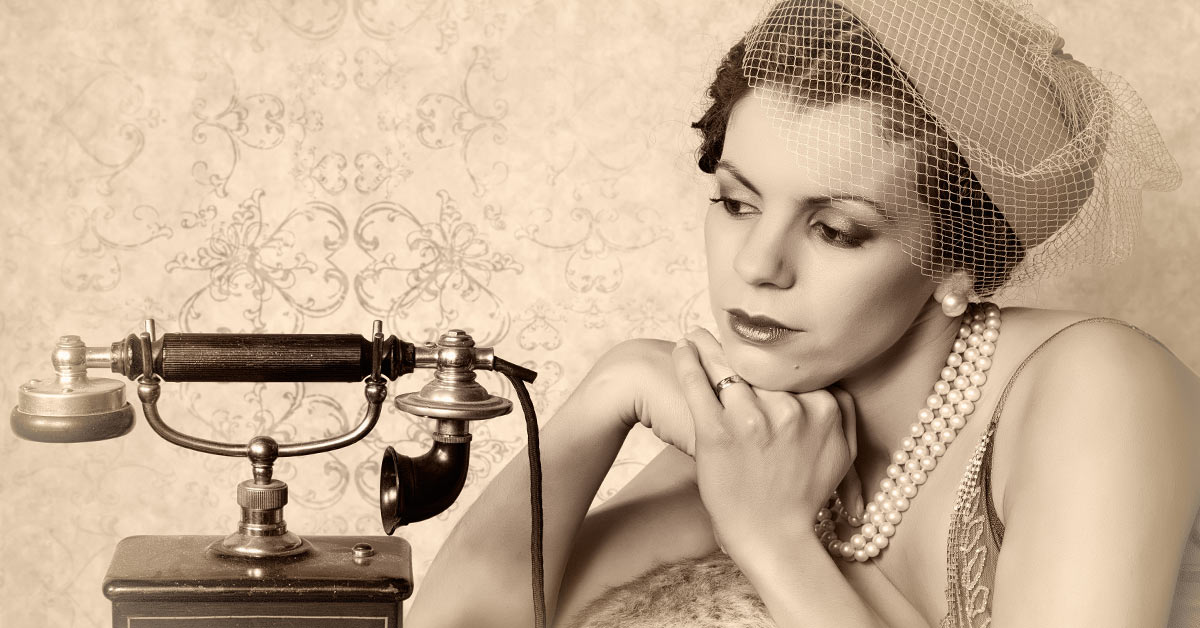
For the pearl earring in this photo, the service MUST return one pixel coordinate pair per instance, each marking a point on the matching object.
(954, 293)
(954, 304)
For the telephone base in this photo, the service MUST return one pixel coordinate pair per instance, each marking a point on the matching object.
(179, 582)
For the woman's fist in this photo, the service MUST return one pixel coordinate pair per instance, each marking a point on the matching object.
(766, 460)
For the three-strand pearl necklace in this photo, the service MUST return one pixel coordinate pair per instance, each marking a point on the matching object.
(945, 413)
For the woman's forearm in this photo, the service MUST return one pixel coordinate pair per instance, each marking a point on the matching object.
(481, 575)
(802, 586)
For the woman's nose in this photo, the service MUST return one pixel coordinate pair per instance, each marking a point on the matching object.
(766, 254)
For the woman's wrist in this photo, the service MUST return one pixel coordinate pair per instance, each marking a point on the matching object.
(797, 578)
(615, 383)
(765, 554)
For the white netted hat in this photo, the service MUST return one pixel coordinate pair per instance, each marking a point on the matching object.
(1032, 161)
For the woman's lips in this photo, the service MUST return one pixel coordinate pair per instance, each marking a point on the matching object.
(759, 330)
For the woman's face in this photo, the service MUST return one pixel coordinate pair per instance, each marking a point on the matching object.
(803, 240)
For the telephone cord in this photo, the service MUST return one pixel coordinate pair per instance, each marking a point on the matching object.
(535, 486)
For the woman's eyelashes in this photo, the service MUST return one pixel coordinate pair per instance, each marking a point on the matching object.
(841, 236)
(733, 207)
(838, 238)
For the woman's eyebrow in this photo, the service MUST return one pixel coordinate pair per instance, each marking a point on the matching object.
(737, 174)
(807, 201)
(876, 205)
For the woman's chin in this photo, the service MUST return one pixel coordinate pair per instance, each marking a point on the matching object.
(775, 374)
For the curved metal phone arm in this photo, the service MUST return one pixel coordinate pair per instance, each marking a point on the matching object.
(149, 391)
(376, 392)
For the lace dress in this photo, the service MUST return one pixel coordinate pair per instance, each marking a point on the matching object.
(710, 592)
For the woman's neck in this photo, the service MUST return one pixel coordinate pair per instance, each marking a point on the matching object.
(888, 393)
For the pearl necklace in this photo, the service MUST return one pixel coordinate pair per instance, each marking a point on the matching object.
(944, 414)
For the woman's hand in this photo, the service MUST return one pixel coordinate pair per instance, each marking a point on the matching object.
(766, 460)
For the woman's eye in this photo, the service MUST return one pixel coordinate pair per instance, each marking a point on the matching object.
(837, 237)
(732, 207)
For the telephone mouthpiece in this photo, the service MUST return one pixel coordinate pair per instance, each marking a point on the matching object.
(71, 407)
(453, 392)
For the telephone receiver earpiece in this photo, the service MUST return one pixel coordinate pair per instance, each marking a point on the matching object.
(71, 407)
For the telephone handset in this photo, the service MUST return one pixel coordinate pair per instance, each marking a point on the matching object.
(264, 573)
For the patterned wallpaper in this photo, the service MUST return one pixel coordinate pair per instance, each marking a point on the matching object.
(519, 168)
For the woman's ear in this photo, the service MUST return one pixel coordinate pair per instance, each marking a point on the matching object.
(954, 291)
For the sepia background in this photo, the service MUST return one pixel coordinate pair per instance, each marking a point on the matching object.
(522, 169)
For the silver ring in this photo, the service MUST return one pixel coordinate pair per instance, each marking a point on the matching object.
(726, 383)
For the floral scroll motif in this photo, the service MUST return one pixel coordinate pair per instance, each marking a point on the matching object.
(429, 276)
(91, 262)
(645, 318)
(376, 172)
(104, 121)
(326, 170)
(325, 71)
(376, 72)
(268, 269)
(198, 218)
(255, 121)
(387, 21)
(92, 241)
(695, 311)
(594, 263)
(539, 333)
(449, 120)
(374, 19)
(322, 20)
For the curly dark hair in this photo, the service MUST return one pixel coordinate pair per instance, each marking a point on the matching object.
(969, 231)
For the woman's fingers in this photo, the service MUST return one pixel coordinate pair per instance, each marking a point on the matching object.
(712, 360)
(697, 390)
(781, 408)
(850, 488)
(845, 404)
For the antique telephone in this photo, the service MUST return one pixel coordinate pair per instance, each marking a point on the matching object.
(263, 575)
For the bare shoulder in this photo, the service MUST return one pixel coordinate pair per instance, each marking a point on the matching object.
(1093, 390)
(1092, 352)
(656, 518)
(1100, 430)
(1094, 360)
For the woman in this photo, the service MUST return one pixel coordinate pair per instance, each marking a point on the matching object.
(877, 166)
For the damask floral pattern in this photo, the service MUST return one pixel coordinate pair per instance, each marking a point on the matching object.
(439, 278)
(230, 122)
(278, 271)
(594, 262)
(522, 169)
(93, 242)
(106, 121)
(463, 120)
